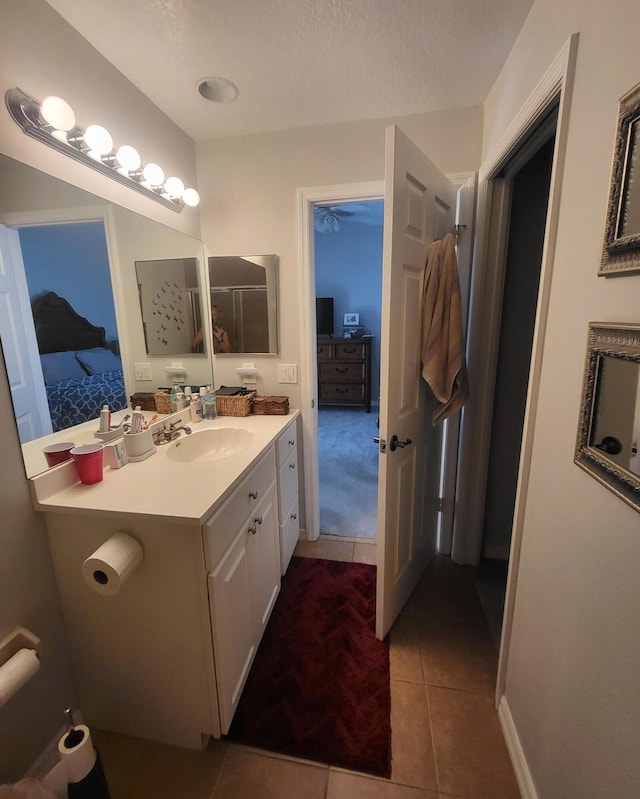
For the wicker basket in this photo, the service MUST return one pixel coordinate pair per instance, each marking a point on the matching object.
(163, 402)
(237, 405)
(270, 406)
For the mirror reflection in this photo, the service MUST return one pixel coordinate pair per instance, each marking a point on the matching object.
(615, 429)
(70, 322)
(243, 304)
(170, 304)
(609, 425)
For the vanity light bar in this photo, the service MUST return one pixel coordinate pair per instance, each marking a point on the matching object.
(52, 122)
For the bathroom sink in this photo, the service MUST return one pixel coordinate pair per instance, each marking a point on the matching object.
(209, 445)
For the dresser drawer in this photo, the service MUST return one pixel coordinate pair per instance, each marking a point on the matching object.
(223, 526)
(349, 351)
(342, 372)
(341, 392)
(289, 534)
(286, 443)
(324, 350)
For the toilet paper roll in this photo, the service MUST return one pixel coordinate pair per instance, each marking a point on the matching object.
(77, 752)
(16, 672)
(112, 564)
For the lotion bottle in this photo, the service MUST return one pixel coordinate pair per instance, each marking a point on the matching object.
(195, 407)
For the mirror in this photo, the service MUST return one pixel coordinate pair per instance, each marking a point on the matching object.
(170, 304)
(33, 199)
(244, 303)
(609, 430)
(621, 251)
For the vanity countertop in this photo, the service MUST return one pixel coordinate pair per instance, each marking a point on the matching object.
(159, 487)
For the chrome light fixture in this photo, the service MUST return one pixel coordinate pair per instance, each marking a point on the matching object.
(53, 122)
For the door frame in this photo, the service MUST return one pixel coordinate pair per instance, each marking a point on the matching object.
(361, 192)
(555, 86)
(307, 199)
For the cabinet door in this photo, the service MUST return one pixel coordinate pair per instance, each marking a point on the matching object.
(233, 626)
(264, 560)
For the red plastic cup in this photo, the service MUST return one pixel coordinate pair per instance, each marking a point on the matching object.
(88, 460)
(58, 453)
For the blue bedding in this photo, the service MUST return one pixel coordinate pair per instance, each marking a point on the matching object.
(79, 399)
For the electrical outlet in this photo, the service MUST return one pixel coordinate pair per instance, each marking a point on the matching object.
(287, 373)
(143, 371)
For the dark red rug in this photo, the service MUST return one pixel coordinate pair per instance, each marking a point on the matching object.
(319, 686)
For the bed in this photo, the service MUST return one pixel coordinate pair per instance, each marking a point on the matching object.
(81, 371)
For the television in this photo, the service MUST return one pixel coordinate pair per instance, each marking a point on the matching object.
(324, 316)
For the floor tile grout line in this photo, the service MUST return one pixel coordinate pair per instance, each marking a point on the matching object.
(433, 744)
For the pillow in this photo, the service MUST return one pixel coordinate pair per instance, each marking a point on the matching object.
(58, 366)
(98, 360)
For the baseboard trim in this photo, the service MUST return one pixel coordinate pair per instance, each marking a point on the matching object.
(516, 753)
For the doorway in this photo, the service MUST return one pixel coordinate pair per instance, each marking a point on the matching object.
(519, 217)
(348, 289)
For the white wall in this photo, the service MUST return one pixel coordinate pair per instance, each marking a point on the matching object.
(573, 664)
(248, 191)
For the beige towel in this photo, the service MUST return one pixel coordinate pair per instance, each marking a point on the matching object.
(443, 361)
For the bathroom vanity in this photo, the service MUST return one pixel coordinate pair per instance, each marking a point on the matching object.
(166, 657)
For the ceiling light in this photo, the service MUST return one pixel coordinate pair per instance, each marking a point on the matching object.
(48, 121)
(58, 113)
(218, 90)
(174, 187)
(128, 158)
(98, 139)
(191, 197)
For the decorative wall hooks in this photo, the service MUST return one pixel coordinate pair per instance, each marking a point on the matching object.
(53, 123)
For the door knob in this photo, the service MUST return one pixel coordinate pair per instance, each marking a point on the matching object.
(395, 443)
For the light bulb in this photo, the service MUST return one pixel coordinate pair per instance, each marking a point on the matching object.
(191, 197)
(153, 174)
(174, 187)
(58, 113)
(128, 158)
(98, 139)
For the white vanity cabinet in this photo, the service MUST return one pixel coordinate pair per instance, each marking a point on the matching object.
(242, 552)
(287, 462)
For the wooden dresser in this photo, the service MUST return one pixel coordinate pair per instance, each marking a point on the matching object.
(344, 371)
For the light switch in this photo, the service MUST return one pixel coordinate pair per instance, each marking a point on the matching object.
(287, 373)
(143, 371)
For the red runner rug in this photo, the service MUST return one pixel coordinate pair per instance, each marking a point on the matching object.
(319, 686)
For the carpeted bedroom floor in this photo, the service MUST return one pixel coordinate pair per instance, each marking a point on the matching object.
(348, 465)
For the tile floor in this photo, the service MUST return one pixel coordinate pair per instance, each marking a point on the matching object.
(446, 738)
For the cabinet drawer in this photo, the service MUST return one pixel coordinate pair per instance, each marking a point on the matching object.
(336, 392)
(324, 350)
(342, 372)
(348, 351)
(289, 534)
(286, 444)
(288, 482)
(220, 530)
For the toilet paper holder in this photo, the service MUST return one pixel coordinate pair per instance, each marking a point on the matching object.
(20, 638)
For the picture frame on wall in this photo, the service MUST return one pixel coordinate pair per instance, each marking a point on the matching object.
(351, 319)
(621, 248)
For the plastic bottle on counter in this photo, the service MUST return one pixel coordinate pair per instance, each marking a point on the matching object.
(209, 410)
(105, 420)
(174, 397)
(196, 407)
(180, 400)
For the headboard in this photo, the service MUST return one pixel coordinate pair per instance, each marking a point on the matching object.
(60, 328)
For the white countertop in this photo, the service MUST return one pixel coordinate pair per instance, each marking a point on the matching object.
(159, 487)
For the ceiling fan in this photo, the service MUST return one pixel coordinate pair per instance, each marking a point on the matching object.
(327, 218)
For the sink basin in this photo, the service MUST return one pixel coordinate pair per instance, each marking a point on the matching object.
(209, 445)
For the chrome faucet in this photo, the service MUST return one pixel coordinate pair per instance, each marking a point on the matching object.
(164, 435)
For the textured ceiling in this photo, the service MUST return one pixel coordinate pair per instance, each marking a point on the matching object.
(302, 62)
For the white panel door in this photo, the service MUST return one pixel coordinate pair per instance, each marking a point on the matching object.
(19, 343)
(419, 208)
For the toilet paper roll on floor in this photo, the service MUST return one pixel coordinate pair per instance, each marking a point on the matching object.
(76, 750)
(112, 564)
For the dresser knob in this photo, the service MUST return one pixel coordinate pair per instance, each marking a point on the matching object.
(253, 494)
(292, 466)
